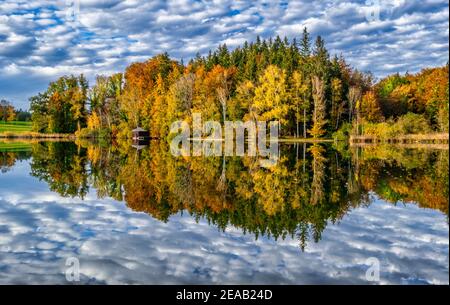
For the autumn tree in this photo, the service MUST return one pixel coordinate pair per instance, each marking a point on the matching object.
(337, 102)
(370, 109)
(7, 111)
(318, 117)
(353, 96)
(300, 100)
(270, 100)
(180, 99)
(104, 100)
(137, 98)
(424, 93)
(62, 108)
(221, 79)
(240, 104)
(39, 108)
(318, 169)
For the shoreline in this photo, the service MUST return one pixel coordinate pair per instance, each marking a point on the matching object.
(410, 139)
(32, 135)
(405, 140)
(73, 137)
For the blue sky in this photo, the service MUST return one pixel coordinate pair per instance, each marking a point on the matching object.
(41, 40)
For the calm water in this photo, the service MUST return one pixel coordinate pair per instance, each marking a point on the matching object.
(323, 215)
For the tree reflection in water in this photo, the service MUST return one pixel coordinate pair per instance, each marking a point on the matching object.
(310, 186)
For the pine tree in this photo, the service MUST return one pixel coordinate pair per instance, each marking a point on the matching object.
(305, 44)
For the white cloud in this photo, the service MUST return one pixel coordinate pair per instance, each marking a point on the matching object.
(37, 33)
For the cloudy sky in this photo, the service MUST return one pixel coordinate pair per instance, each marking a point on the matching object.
(43, 39)
(39, 231)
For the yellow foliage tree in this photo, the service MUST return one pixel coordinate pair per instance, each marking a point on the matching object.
(370, 109)
(93, 121)
(270, 100)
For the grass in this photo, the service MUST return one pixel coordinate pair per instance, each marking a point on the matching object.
(14, 146)
(22, 130)
(15, 127)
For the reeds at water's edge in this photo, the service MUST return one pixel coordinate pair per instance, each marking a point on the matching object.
(36, 135)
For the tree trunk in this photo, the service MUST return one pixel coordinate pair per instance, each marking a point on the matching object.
(304, 123)
(224, 109)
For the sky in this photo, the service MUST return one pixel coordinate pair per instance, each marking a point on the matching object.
(39, 231)
(41, 40)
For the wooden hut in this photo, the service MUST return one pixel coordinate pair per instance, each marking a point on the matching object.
(140, 134)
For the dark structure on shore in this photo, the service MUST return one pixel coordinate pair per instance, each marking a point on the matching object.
(140, 134)
(141, 138)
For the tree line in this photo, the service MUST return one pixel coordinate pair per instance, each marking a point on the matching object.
(297, 83)
(9, 113)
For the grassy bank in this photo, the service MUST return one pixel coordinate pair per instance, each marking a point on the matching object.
(14, 146)
(35, 135)
(22, 130)
(15, 127)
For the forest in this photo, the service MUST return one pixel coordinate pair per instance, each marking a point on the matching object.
(296, 82)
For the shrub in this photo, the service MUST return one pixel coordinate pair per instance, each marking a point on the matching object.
(124, 131)
(409, 123)
(104, 133)
(379, 130)
(86, 133)
(343, 133)
(412, 123)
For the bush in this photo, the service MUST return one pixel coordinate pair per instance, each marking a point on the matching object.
(412, 123)
(104, 133)
(380, 130)
(343, 133)
(124, 131)
(409, 123)
(87, 133)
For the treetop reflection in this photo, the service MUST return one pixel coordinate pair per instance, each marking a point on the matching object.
(310, 186)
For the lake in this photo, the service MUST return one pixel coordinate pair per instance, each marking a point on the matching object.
(324, 214)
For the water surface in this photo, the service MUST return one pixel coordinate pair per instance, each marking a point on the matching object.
(319, 217)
